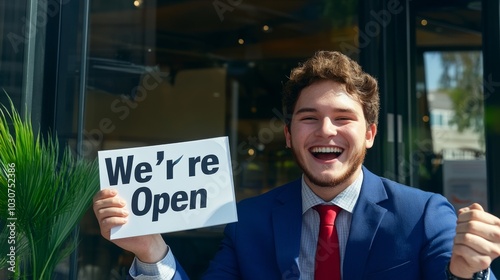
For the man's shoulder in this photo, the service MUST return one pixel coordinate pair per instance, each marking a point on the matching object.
(408, 203)
(394, 187)
(399, 193)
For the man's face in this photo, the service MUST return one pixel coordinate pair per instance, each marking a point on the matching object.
(328, 135)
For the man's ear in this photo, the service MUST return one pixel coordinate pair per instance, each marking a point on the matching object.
(286, 130)
(371, 131)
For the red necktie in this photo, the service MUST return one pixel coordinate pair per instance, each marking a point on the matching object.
(327, 252)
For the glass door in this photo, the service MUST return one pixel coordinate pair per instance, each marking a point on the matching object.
(449, 148)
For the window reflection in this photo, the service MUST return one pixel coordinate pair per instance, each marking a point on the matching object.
(455, 98)
(455, 163)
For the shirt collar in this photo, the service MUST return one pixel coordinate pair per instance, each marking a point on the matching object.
(346, 199)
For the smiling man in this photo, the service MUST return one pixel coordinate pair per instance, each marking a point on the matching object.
(330, 137)
(379, 229)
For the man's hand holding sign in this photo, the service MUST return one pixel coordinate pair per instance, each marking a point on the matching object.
(163, 188)
(111, 212)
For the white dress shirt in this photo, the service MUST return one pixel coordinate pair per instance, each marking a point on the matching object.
(310, 224)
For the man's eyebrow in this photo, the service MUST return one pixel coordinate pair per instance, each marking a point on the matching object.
(306, 110)
(337, 110)
(345, 110)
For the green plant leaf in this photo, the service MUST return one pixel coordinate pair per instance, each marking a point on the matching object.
(53, 189)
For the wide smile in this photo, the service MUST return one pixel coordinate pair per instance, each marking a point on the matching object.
(326, 153)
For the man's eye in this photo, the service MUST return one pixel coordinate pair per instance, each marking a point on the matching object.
(343, 118)
(308, 118)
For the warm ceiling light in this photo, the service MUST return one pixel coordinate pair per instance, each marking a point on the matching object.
(423, 22)
(138, 3)
(241, 41)
(266, 28)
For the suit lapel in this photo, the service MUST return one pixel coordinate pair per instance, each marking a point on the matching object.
(287, 225)
(366, 219)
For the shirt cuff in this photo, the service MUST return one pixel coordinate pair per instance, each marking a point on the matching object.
(164, 269)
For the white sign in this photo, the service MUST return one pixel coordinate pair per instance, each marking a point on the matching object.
(171, 187)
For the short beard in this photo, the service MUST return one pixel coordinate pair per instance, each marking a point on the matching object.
(333, 182)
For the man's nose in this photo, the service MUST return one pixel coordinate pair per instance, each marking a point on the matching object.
(327, 127)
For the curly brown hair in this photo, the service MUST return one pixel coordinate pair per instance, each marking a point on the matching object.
(335, 66)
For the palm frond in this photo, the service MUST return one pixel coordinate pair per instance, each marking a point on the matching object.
(53, 189)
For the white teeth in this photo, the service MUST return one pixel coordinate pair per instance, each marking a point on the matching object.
(326, 150)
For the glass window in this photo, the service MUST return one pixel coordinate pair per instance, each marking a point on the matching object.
(12, 43)
(450, 142)
(455, 101)
(168, 71)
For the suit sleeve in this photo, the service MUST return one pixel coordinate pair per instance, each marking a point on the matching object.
(225, 264)
(439, 229)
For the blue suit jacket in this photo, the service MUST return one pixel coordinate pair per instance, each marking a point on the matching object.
(397, 232)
